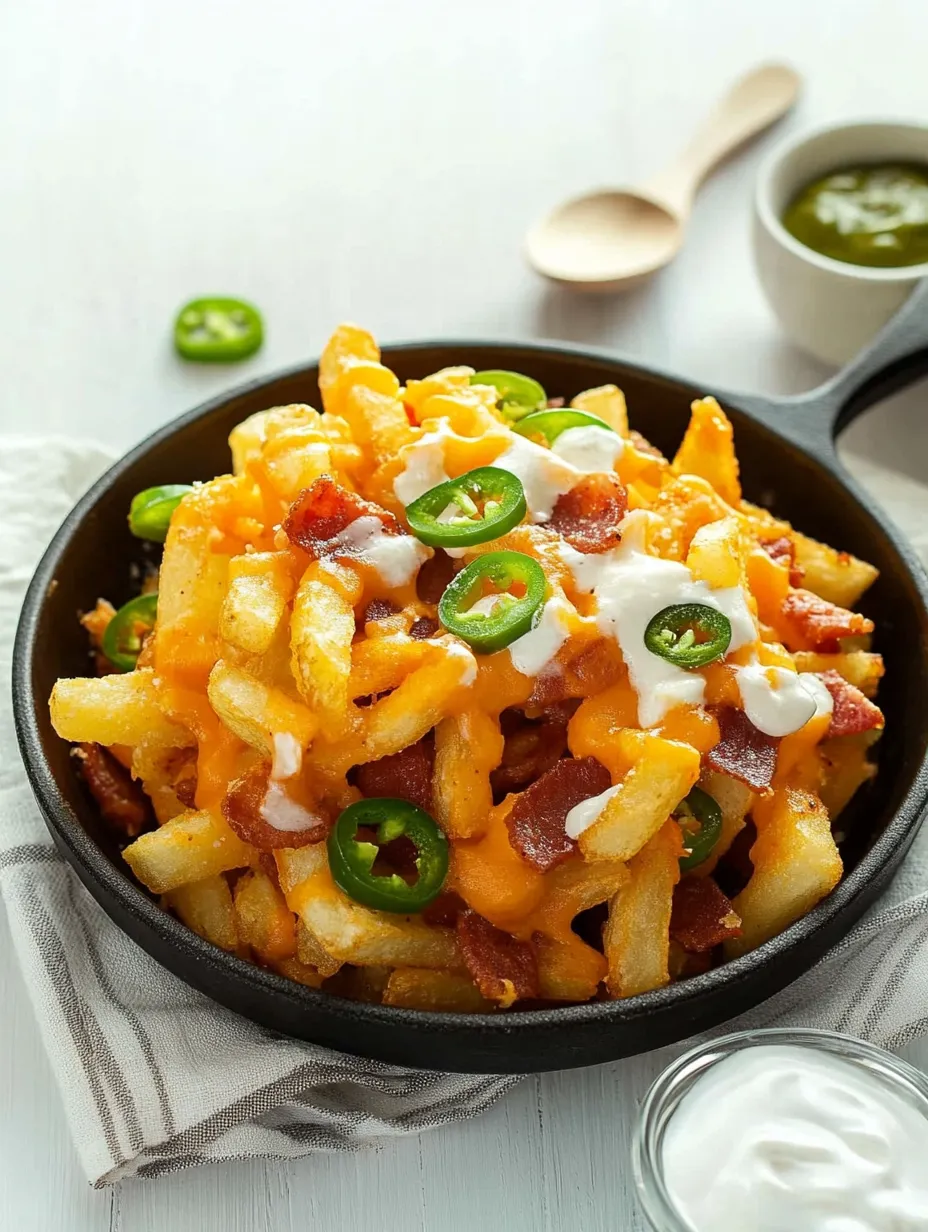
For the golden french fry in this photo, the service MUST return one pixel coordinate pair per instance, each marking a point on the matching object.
(188, 848)
(255, 711)
(294, 970)
(846, 767)
(311, 953)
(836, 576)
(447, 381)
(158, 766)
(348, 347)
(716, 554)
(661, 775)
(636, 938)
(468, 746)
(260, 587)
(378, 419)
(264, 920)
(321, 633)
(796, 863)
(418, 988)
(858, 667)
(708, 449)
(117, 709)
(735, 800)
(206, 907)
(608, 402)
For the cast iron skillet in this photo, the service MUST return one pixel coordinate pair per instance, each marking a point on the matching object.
(788, 462)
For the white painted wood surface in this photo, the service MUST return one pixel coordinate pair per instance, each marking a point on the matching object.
(357, 159)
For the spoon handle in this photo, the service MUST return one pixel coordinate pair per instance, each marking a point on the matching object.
(751, 105)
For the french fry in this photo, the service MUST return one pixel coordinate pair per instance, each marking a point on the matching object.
(255, 711)
(321, 633)
(661, 775)
(206, 908)
(636, 938)
(608, 403)
(716, 554)
(378, 420)
(188, 848)
(846, 767)
(468, 746)
(260, 587)
(117, 709)
(708, 449)
(311, 953)
(796, 863)
(836, 576)
(264, 920)
(446, 381)
(294, 970)
(735, 801)
(349, 347)
(418, 988)
(858, 667)
(158, 766)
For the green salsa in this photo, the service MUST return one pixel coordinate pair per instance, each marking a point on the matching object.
(876, 215)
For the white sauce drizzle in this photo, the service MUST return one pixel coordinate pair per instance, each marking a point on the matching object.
(424, 461)
(589, 449)
(801, 1140)
(582, 815)
(288, 756)
(395, 557)
(282, 812)
(533, 651)
(466, 657)
(778, 701)
(544, 476)
(631, 587)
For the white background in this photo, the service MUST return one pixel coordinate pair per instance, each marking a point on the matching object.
(332, 159)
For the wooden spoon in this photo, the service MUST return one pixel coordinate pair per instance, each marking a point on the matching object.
(610, 239)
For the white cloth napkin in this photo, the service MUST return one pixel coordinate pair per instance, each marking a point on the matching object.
(154, 1077)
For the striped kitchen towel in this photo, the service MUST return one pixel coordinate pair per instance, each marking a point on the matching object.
(154, 1077)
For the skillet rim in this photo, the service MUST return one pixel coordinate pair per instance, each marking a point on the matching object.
(878, 864)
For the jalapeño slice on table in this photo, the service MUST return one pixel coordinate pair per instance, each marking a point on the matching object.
(150, 511)
(550, 424)
(122, 637)
(479, 506)
(494, 600)
(700, 819)
(218, 329)
(352, 857)
(518, 395)
(688, 635)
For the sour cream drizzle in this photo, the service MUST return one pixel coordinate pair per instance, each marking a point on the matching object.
(278, 808)
(395, 557)
(582, 815)
(533, 651)
(778, 701)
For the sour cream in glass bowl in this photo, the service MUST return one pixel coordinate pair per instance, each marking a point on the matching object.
(804, 1130)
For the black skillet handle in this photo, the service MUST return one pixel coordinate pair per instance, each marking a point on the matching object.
(897, 357)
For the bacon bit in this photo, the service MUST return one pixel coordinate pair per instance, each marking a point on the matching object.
(406, 775)
(443, 911)
(643, 445)
(244, 801)
(184, 785)
(269, 866)
(423, 628)
(702, 917)
(378, 609)
(503, 968)
(814, 622)
(530, 747)
(588, 516)
(853, 713)
(536, 820)
(433, 577)
(743, 752)
(555, 404)
(783, 551)
(322, 511)
(122, 803)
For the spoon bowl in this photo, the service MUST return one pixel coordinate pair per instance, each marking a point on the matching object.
(611, 239)
(605, 240)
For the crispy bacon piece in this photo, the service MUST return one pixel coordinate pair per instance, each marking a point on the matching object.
(783, 551)
(530, 746)
(813, 623)
(743, 752)
(378, 609)
(853, 713)
(406, 775)
(588, 516)
(122, 803)
(555, 404)
(424, 627)
(434, 576)
(536, 820)
(244, 801)
(503, 968)
(443, 912)
(323, 511)
(702, 917)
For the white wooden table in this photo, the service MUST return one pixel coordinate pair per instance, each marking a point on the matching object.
(378, 162)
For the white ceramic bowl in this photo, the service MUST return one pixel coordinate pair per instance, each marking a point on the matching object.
(829, 308)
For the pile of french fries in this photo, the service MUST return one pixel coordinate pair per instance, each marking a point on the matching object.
(253, 640)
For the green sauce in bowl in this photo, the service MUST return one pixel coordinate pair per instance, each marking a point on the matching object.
(866, 215)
